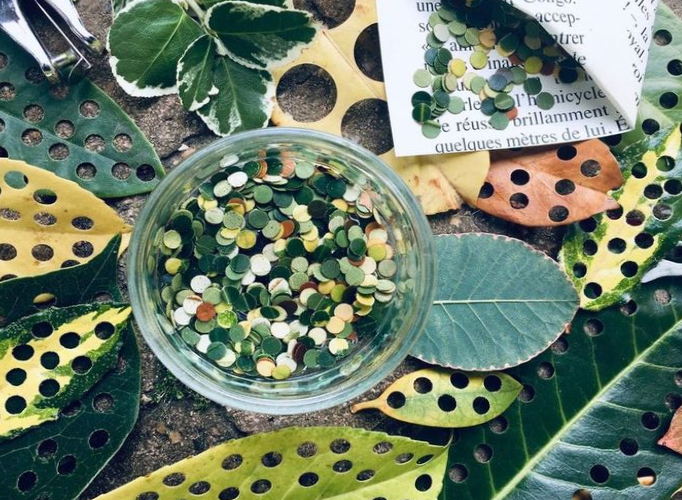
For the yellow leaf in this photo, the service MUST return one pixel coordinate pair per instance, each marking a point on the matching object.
(47, 222)
(440, 182)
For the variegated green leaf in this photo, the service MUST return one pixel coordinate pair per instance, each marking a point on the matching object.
(195, 74)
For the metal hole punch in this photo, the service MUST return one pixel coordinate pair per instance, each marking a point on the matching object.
(66, 67)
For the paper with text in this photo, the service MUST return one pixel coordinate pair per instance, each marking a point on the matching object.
(609, 38)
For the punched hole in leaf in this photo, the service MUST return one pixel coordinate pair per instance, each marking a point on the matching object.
(104, 330)
(103, 403)
(382, 448)
(567, 152)
(588, 225)
(307, 450)
(499, 425)
(83, 223)
(95, 143)
(232, 462)
(16, 180)
(10, 214)
(147, 495)
(69, 263)
(72, 409)
(174, 479)
(527, 394)
(593, 290)
(634, 218)
(145, 173)
(644, 240)
(518, 201)
(615, 214)
(628, 447)
(590, 247)
(492, 383)
(423, 483)
(404, 458)
(396, 400)
(650, 126)
(98, 439)
(47, 449)
(367, 123)
(7, 91)
(200, 488)
(599, 474)
(64, 129)
(89, 109)
(520, 177)
(16, 376)
(483, 453)
(45, 219)
(308, 479)
(27, 481)
(593, 327)
(629, 308)
(23, 352)
(367, 53)
(663, 37)
(102, 297)
(121, 171)
(487, 190)
(82, 249)
(34, 75)
(271, 459)
(546, 370)
(581, 494)
(662, 211)
(86, 171)
(70, 340)
(458, 473)
(579, 270)
(675, 67)
(49, 360)
(67, 465)
(34, 113)
(653, 191)
(564, 187)
(230, 493)
(629, 269)
(49, 388)
(590, 168)
(32, 137)
(59, 151)
(481, 405)
(673, 186)
(423, 385)
(42, 252)
(650, 421)
(261, 486)
(123, 143)
(668, 100)
(459, 380)
(81, 365)
(616, 245)
(665, 163)
(662, 297)
(15, 405)
(424, 460)
(342, 466)
(447, 403)
(646, 476)
(558, 213)
(673, 401)
(6, 277)
(339, 446)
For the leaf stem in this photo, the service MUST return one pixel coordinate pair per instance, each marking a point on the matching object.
(196, 9)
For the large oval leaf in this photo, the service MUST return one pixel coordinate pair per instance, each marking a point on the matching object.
(78, 132)
(590, 413)
(302, 464)
(498, 303)
(146, 41)
(608, 255)
(445, 398)
(53, 358)
(48, 222)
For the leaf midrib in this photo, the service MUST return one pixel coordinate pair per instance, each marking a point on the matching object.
(528, 468)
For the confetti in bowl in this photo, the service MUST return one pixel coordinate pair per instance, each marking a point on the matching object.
(343, 360)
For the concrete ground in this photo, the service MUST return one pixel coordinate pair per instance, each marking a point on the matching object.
(175, 423)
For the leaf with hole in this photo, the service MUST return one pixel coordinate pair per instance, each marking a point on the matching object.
(660, 105)
(440, 182)
(260, 36)
(48, 223)
(590, 413)
(243, 100)
(498, 304)
(52, 358)
(673, 437)
(301, 463)
(195, 73)
(445, 398)
(80, 284)
(608, 255)
(551, 187)
(78, 133)
(146, 42)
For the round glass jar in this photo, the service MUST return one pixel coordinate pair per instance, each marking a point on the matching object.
(371, 359)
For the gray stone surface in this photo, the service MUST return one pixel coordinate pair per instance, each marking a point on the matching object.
(175, 423)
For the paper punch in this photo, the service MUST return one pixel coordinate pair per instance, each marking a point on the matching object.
(66, 66)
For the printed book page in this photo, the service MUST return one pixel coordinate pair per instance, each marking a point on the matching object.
(608, 38)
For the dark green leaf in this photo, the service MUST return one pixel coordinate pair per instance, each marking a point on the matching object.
(278, 3)
(195, 73)
(260, 36)
(602, 396)
(146, 41)
(243, 101)
(84, 137)
(74, 285)
(498, 303)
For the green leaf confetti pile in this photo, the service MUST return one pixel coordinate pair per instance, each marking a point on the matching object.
(216, 59)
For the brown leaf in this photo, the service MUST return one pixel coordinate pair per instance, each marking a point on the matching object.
(440, 182)
(673, 438)
(551, 186)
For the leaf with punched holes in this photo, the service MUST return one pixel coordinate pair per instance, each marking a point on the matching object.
(498, 304)
(607, 255)
(673, 437)
(78, 133)
(440, 182)
(48, 223)
(444, 398)
(52, 358)
(144, 61)
(301, 464)
(243, 100)
(260, 36)
(662, 88)
(551, 186)
(590, 413)
(93, 281)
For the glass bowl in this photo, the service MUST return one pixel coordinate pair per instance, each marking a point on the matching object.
(372, 359)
